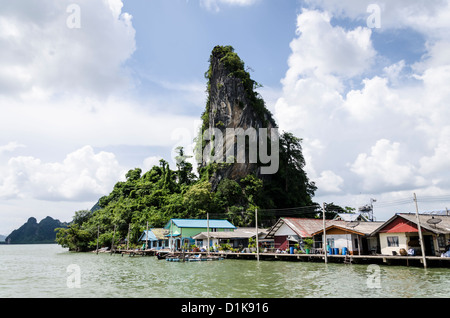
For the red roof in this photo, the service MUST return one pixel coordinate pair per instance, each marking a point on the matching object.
(400, 225)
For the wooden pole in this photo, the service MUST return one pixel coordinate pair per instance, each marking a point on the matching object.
(98, 234)
(207, 231)
(324, 244)
(112, 243)
(257, 238)
(128, 236)
(424, 259)
(171, 236)
(359, 244)
(146, 241)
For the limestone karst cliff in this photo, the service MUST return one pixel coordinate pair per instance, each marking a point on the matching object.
(33, 232)
(233, 105)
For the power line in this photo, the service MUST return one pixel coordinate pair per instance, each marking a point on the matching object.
(403, 201)
(316, 207)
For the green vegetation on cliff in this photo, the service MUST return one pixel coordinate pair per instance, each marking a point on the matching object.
(161, 194)
(155, 197)
(33, 232)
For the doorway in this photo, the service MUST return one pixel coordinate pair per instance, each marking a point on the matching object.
(429, 245)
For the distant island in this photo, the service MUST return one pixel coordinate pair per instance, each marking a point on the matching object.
(33, 232)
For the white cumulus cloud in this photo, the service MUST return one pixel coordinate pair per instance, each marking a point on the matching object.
(82, 176)
(366, 128)
(215, 5)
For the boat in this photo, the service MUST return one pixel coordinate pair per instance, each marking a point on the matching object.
(200, 258)
(162, 254)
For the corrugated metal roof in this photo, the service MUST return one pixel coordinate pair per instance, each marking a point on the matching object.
(304, 227)
(358, 227)
(154, 235)
(201, 223)
(151, 236)
(238, 233)
(349, 217)
(441, 228)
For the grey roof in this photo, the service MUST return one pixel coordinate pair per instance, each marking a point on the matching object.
(154, 234)
(308, 227)
(359, 227)
(242, 232)
(349, 217)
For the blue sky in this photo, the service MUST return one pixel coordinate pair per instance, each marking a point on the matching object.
(83, 105)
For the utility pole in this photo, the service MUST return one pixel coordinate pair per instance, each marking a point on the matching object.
(146, 241)
(128, 236)
(324, 244)
(171, 237)
(257, 238)
(98, 234)
(207, 231)
(112, 243)
(424, 259)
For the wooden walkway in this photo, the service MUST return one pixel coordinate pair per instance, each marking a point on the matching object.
(132, 253)
(416, 261)
(432, 261)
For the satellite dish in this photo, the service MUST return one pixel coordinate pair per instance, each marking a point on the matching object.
(434, 221)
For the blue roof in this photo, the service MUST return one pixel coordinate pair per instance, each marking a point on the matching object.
(194, 223)
(151, 236)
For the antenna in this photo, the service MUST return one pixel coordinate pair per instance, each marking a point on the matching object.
(368, 210)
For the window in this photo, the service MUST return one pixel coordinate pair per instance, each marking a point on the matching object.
(392, 241)
(441, 240)
(330, 242)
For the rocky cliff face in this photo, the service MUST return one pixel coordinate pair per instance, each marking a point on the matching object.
(233, 106)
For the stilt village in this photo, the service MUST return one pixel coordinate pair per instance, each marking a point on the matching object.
(406, 239)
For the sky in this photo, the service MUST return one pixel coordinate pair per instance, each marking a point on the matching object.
(92, 89)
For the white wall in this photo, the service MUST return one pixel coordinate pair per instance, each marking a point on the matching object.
(342, 240)
(285, 230)
(386, 250)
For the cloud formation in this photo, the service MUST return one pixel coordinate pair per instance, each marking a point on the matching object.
(366, 129)
(215, 5)
(82, 176)
(42, 55)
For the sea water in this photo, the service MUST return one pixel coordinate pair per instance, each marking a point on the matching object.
(51, 271)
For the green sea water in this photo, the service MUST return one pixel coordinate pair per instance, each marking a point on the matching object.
(50, 271)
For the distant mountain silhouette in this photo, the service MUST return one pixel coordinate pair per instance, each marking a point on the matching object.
(36, 233)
